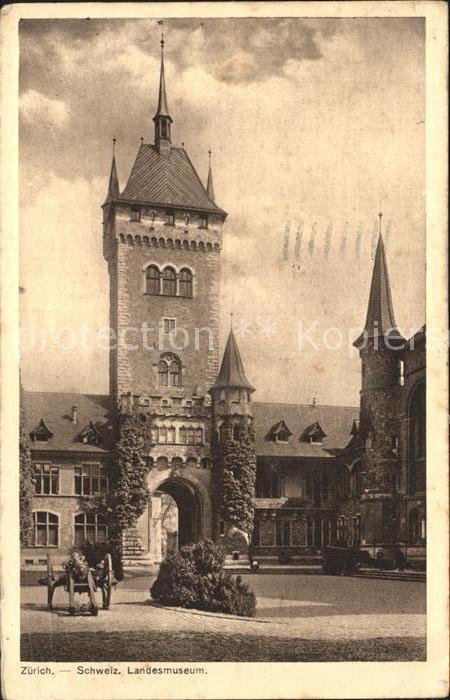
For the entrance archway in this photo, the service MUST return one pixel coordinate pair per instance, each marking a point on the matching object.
(189, 507)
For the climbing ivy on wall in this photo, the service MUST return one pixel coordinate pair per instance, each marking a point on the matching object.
(26, 483)
(26, 491)
(128, 494)
(234, 474)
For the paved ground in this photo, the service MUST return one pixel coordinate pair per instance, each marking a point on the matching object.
(299, 618)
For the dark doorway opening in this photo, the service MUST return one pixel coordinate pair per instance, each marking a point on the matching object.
(188, 503)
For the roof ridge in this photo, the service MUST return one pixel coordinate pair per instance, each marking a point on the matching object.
(304, 405)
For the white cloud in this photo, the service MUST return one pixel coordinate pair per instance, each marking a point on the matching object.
(36, 106)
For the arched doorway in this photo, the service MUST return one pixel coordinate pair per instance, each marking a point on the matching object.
(175, 516)
(189, 508)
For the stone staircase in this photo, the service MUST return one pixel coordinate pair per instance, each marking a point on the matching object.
(134, 554)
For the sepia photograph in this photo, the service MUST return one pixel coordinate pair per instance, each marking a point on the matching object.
(223, 342)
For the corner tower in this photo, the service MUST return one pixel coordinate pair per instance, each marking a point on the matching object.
(381, 349)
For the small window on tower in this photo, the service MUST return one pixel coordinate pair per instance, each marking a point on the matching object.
(203, 222)
(170, 218)
(168, 325)
(135, 213)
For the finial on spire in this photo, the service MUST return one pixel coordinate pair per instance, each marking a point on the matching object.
(210, 183)
(231, 320)
(114, 145)
(142, 140)
(380, 216)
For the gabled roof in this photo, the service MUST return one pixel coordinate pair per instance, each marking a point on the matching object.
(278, 428)
(169, 181)
(380, 321)
(336, 421)
(55, 409)
(90, 435)
(232, 373)
(313, 431)
(42, 431)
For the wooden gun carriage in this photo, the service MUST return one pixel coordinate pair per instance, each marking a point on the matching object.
(95, 578)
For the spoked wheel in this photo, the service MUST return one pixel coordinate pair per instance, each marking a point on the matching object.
(107, 581)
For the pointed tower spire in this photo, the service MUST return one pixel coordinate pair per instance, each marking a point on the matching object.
(113, 187)
(380, 321)
(210, 183)
(232, 373)
(162, 118)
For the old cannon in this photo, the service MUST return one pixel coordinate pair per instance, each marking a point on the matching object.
(79, 577)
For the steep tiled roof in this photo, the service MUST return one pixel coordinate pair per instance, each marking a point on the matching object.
(336, 422)
(167, 181)
(55, 410)
(113, 186)
(380, 321)
(232, 373)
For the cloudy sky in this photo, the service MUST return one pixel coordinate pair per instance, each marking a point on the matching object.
(314, 124)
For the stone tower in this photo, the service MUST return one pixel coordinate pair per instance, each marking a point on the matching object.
(162, 239)
(162, 242)
(380, 347)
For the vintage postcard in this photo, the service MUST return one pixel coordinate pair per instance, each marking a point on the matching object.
(224, 404)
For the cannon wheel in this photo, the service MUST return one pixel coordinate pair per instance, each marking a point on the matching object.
(107, 581)
(50, 581)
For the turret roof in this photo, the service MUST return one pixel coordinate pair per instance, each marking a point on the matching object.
(232, 373)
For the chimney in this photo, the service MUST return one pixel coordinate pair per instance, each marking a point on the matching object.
(74, 414)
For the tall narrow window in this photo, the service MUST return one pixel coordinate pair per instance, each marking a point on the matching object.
(171, 435)
(169, 282)
(152, 275)
(203, 221)
(198, 436)
(182, 435)
(163, 373)
(190, 436)
(185, 283)
(170, 218)
(175, 373)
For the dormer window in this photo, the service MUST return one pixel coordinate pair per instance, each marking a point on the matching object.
(135, 213)
(279, 432)
(89, 435)
(283, 436)
(313, 434)
(41, 433)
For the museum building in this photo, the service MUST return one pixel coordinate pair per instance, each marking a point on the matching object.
(325, 474)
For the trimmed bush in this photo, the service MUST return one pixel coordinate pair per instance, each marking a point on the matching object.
(194, 578)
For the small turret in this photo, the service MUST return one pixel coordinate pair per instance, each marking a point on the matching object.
(232, 391)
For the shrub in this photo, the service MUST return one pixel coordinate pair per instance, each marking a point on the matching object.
(194, 578)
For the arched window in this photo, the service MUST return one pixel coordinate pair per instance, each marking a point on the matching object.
(152, 277)
(169, 282)
(45, 529)
(90, 527)
(417, 439)
(163, 373)
(185, 283)
(169, 371)
(175, 373)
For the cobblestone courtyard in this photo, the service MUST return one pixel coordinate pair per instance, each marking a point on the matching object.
(299, 618)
